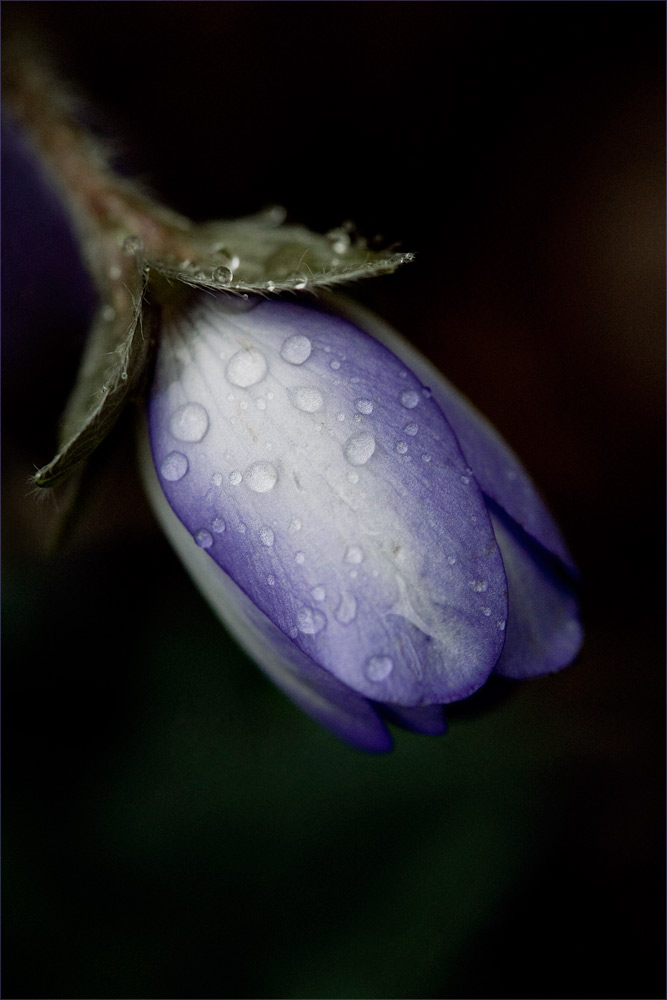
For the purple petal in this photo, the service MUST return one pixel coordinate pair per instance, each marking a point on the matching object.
(316, 692)
(316, 470)
(543, 630)
(429, 720)
(498, 471)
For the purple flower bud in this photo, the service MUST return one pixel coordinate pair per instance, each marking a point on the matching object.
(358, 526)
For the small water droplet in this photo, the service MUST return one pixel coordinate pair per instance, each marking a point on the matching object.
(218, 525)
(307, 399)
(216, 479)
(364, 406)
(479, 586)
(132, 245)
(235, 477)
(189, 422)
(310, 621)
(501, 624)
(410, 429)
(318, 593)
(204, 539)
(271, 580)
(451, 560)
(301, 284)
(353, 554)
(242, 528)
(378, 668)
(174, 467)
(346, 611)
(426, 457)
(296, 349)
(223, 275)
(353, 477)
(335, 365)
(300, 557)
(409, 399)
(465, 480)
(340, 417)
(294, 526)
(359, 448)
(267, 537)
(401, 447)
(261, 477)
(486, 612)
(246, 367)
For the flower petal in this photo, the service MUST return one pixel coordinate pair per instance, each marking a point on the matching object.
(317, 471)
(543, 630)
(327, 700)
(498, 471)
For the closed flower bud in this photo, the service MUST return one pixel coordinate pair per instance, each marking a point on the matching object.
(356, 524)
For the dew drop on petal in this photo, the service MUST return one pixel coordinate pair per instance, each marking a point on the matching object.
(307, 399)
(364, 406)
(267, 537)
(246, 367)
(346, 611)
(294, 526)
(261, 477)
(216, 479)
(310, 621)
(271, 580)
(218, 525)
(378, 668)
(235, 477)
(409, 399)
(401, 447)
(189, 422)
(318, 593)
(300, 557)
(335, 365)
(174, 466)
(296, 349)
(479, 586)
(410, 429)
(359, 448)
(222, 274)
(204, 539)
(353, 554)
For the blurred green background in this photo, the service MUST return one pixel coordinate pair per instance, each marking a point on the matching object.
(173, 827)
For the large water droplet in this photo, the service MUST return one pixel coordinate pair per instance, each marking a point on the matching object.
(409, 399)
(261, 477)
(364, 406)
(174, 467)
(378, 668)
(347, 609)
(204, 539)
(307, 399)
(296, 349)
(267, 537)
(359, 448)
(189, 423)
(246, 367)
(310, 621)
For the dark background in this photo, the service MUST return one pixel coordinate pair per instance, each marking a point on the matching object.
(172, 826)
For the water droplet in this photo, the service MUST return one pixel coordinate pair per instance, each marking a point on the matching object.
(108, 313)
(218, 525)
(465, 480)
(301, 284)
(174, 467)
(378, 668)
(235, 477)
(486, 612)
(353, 554)
(261, 477)
(223, 275)
(296, 349)
(347, 609)
(189, 422)
(479, 586)
(426, 458)
(364, 405)
(271, 580)
(410, 429)
(216, 479)
(267, 537)
(132, 245)
(335, 365)
(340, 417)
(310, 621)
(204, 539)
(359, 448)
(300, 558)
(318, 593)
(401, 447)
(242, 528)
(294, 525)
(307, 399)
(501, 624)
(246, 367)
(409, 399)
(451, 560)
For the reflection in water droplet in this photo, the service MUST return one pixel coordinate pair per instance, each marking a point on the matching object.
(347, 609)
(364, 405)
(246, 367)
(174, 467)
(261, 477)
(378, 668)
(204, 539)
(296, 349)
(353, 554)
(310, 621)
(409, 399)
(359, 448)
(267, 537)
(189, 422)
(218, 525)
(307, 399)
